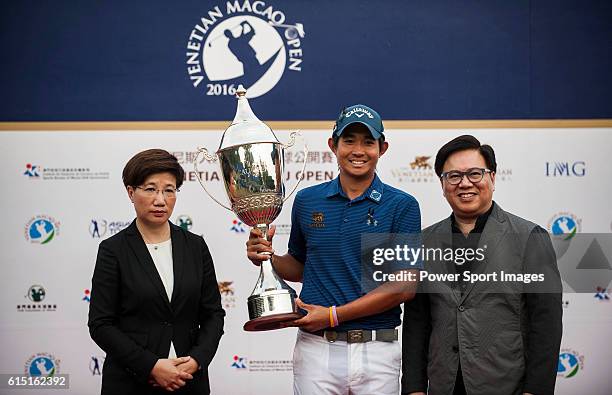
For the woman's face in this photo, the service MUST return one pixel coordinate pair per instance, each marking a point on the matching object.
(154, 200)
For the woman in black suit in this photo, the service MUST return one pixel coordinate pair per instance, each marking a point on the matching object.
(155, 306)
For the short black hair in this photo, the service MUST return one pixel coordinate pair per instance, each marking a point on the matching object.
(462, 143)
(149, 162)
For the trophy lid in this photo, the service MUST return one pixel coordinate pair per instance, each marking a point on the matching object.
(246, 128)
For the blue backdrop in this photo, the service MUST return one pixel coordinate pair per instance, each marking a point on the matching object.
(422, 59)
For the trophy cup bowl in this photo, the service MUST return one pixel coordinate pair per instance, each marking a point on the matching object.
(251, 160)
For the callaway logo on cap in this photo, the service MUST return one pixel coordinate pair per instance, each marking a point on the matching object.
(362, 114)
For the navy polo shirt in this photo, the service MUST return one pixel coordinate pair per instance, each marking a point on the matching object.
(326, 229)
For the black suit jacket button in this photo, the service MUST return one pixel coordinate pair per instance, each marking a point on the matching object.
(461, 308)
(455, 349)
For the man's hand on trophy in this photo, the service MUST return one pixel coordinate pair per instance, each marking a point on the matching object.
(257, 246)
(316, 318)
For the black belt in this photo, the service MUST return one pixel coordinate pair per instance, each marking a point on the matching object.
(358, 335)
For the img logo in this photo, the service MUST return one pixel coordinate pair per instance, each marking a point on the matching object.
(564, 225)
(42, 364)
(570, 363)
(41, 229)
(31, 171)
(184, 221)
(243, 42)
(566, 169)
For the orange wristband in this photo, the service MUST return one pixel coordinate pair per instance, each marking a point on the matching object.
(331, 318)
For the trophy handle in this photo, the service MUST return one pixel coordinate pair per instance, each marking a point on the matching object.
(291, 142)
(211, 159)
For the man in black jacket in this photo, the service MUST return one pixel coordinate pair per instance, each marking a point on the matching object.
(500, 334)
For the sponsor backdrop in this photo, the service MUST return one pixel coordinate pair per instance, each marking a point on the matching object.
(64, 195)
(160, 61)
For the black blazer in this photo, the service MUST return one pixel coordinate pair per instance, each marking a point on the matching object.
(132, 320)
(504, 335)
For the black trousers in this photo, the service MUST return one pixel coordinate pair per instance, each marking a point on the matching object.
(459, 385)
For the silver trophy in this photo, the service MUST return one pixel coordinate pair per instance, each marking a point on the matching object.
(251, 159)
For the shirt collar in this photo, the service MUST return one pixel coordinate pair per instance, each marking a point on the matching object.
(333, 188)
(481, 221)
(374, 191)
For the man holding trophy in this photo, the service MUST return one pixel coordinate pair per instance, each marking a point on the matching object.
(348, 341)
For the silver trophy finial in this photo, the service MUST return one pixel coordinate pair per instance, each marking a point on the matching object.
(240, 91)
(246, 128)
(243, 109)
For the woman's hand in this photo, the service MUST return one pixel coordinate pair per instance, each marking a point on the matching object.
(190, 366)
(257, 244)
(167, 374)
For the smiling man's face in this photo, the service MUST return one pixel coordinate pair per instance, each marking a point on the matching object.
(358, 152)
(467, 199)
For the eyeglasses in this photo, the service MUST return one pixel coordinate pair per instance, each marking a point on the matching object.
(475, 175)
(168, 192)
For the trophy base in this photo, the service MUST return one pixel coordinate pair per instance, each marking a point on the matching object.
(270, 322)
(269, 309)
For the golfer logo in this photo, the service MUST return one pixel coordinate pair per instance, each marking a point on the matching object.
(41, 229)
(95, 365)
(564, 225)
(248, 44)
(570, 363)
(36, 293)
(42, 364)
(184, 221)
(97, 227)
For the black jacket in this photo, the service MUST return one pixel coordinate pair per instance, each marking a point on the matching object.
(506, 335)
(132, 320)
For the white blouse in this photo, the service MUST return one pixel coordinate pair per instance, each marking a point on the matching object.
(162, 258)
